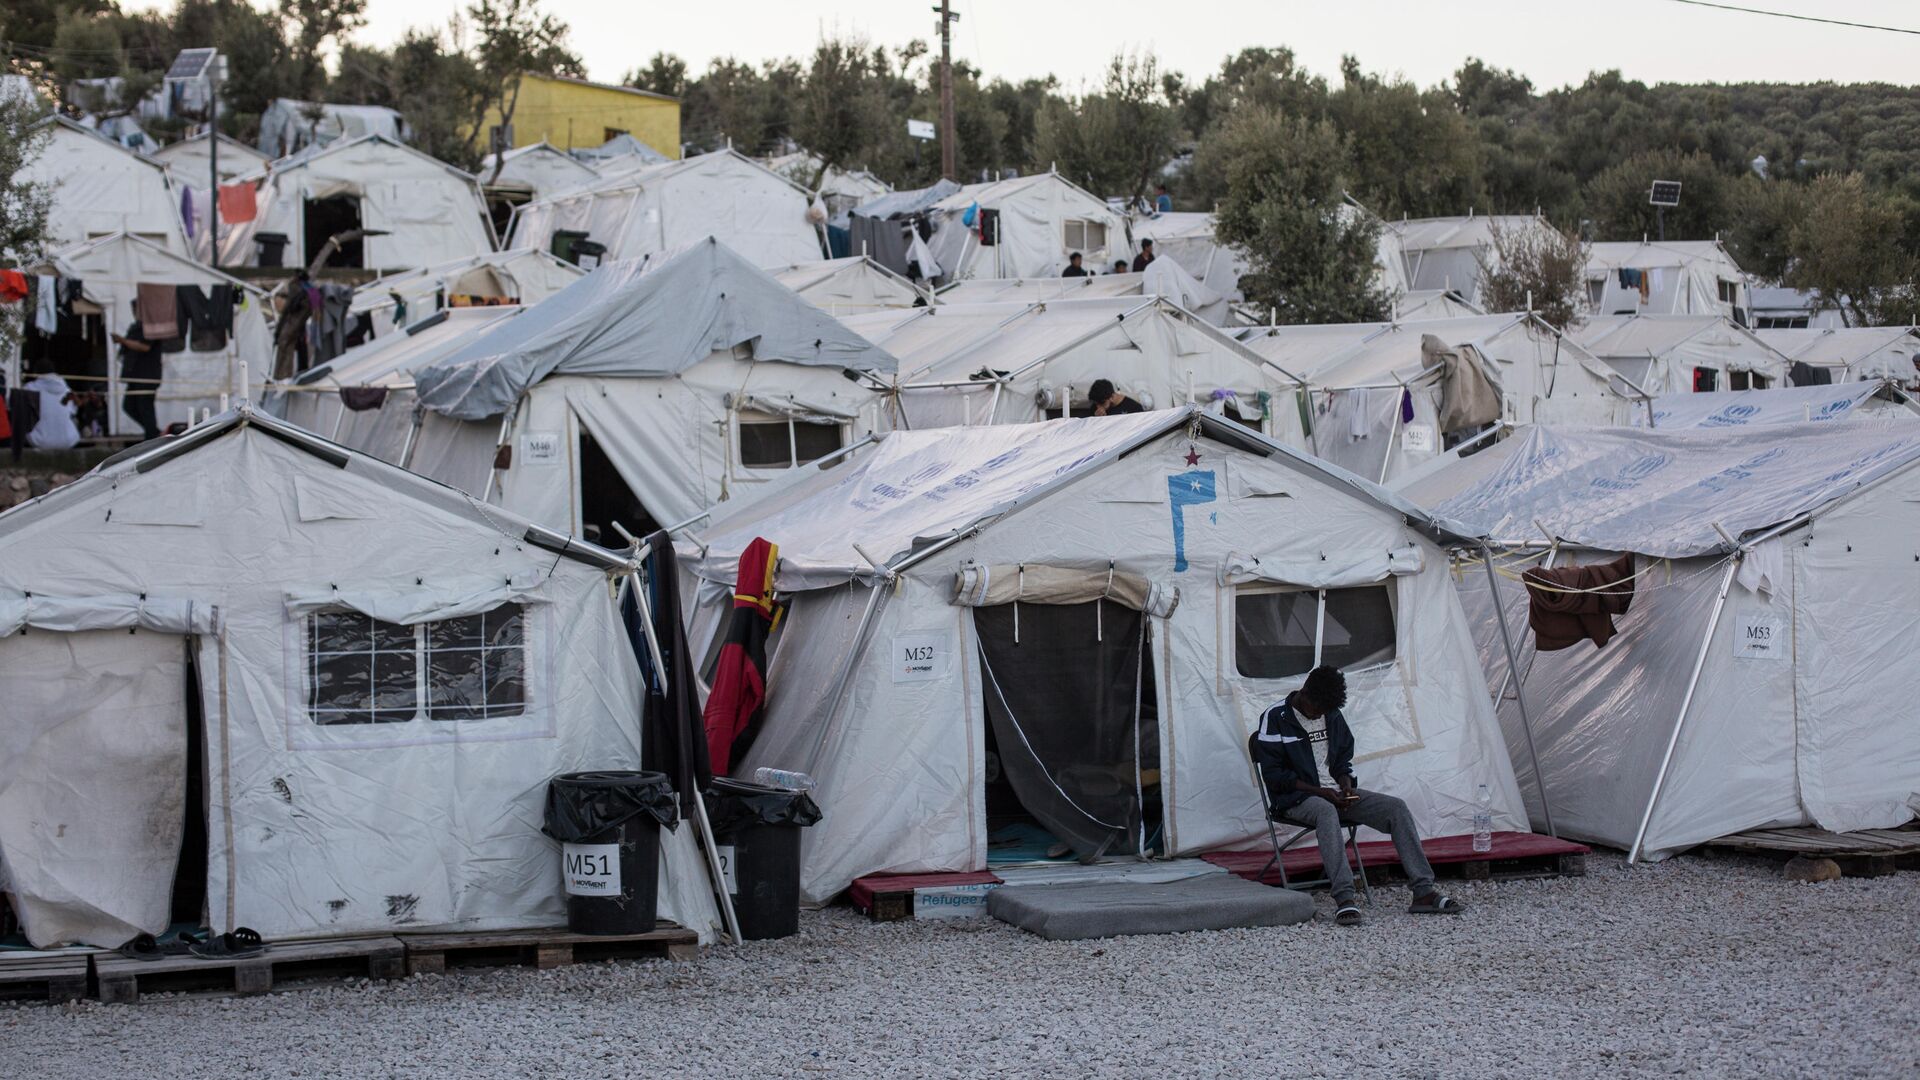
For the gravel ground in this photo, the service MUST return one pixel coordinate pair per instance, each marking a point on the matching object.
(1697, 966)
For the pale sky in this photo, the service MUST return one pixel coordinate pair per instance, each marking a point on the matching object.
(1553, 42)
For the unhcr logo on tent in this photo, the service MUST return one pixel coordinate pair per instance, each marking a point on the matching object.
(1630, 475)
(1833, 410)
(1733, 474)
(1732, 416)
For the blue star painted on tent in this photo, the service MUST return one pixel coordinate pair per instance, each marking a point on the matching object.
(1184, 490)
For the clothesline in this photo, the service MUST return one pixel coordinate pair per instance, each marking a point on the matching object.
(1468, 562)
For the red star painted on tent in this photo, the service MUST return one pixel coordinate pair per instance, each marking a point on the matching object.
(1193, 455)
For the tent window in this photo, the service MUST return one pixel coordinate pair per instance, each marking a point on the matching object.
(361, 670)
(1283, 633)
(1596, 292)
(770, 442)
(1729, 291)
(1085, 235)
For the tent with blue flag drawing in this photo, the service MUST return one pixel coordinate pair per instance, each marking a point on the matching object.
(1071, 628)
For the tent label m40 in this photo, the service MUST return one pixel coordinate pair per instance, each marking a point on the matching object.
(591, 869)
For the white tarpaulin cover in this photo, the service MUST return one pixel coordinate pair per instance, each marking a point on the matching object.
(316, 825)
(900, 756)
(655, 316)
(1661, 493)
(524, 275)
(1756, 408)
(98, 187)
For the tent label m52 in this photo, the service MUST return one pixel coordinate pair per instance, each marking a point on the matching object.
(921, 657)
(591, 869)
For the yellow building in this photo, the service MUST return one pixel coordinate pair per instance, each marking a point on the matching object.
(577, 114)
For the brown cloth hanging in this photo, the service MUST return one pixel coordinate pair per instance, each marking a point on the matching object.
(157, 310)
(1561, 619)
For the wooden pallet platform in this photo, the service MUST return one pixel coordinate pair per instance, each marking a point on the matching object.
(889, 897)
(123, 980)
(54, 976)
(548, 948)
(1514, 856)
(1867, 853)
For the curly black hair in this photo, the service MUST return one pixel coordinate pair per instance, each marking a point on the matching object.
(1326, 687)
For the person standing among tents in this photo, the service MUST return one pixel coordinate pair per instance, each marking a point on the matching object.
(140, 370)
(1107, 401)
(1146, 256)
(1074, 269)
(1304, 752)
(1163, 202)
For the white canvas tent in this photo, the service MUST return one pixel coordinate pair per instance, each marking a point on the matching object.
(621, 152)
(364, 397)
(428, 211)
(1187, 239)
(850, 286)
(242, 589)
(111, 270)
(653, 387)
(1760, 675)
(190, 161)
(1860, 352)
(536, 170)
(841, 189)
(1015, 363)
(1365, 376)
(99, 188)
(289, 126)
(1194, 530)
(1684, 277)
(1445, 253)
(1670, 354)
(1433, 304)
(1034, 223)
(522, 275)
(654, 208)
(1162, 277)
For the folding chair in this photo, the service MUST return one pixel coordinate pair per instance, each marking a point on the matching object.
(1273, 835)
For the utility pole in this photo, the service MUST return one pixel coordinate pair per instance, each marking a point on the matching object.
(947, 134)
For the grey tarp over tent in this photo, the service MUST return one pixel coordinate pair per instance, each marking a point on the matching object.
(588, 328)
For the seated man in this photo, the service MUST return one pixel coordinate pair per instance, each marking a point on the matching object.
(1074, 269)
(1107, 401)
(1304, 750)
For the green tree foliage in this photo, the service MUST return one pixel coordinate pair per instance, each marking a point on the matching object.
(1710, 199)
(1311, 256)
(1539, 269)
(23, 203)
(310, 26)
(1116, 139)
(1848, 250)
(1414, 155)
(511, 37)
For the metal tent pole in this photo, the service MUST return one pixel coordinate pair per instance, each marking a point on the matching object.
(1519, 691)
(715, 872)
(1673, 740)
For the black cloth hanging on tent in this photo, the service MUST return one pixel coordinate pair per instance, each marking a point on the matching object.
(673, 740)
(1065, 702)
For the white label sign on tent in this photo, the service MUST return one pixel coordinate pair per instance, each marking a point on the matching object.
(922, 657)
(1760, 635)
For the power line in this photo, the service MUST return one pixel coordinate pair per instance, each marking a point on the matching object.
(1799, 18)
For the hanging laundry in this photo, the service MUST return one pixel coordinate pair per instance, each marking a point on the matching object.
(186, 211)
(967, 217)
(362, 398)
(1629, 278)
(989, 227)
(399, 309)
(1570, 604)
(1406, 406)
(46, 304)
(237, 204)
(1705, 380)
(156, 308)
(1646, 284)
(13, 286)
(732, 715)
(206, 317)
(920, 256)
(1303, 403)
(1359, 414)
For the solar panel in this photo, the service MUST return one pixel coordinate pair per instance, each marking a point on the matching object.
(1665, 193)
(191, 64)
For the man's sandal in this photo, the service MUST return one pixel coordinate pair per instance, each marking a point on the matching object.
(1435, 904)
(1348, 915)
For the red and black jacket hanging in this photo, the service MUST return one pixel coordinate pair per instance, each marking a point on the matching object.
(739, 680)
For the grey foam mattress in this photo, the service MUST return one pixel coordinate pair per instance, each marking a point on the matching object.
(1114, 909)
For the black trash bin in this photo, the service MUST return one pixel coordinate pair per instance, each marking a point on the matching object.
(758, 831)
(273, 248)
(561, 245)
(608, 825)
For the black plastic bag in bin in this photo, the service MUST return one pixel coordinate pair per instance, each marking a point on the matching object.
(582, 804)
(736, 804)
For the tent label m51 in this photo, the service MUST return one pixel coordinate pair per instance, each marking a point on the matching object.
(591, 869)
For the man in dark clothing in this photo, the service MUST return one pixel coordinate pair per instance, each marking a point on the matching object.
(140, 374)
(1304, 751)
(1119, 266)
(1107, 401)
(1074, 269)
(1141, 260)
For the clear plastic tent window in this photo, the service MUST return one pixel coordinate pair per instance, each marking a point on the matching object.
(1284, 633)
(362, 670)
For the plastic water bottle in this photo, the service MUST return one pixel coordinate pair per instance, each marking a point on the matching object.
(790, 781)
(1482, 821)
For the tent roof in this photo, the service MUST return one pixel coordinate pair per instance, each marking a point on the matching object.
(228, 144)
(1754, 408)
(302, 158)
(615, 179)
(913, 489)
(1359, 354)
(391, 359)
(1031, 290)
(621, 145)
(648, 317)
(541, 147)
(66, 123)
(1643, 254)
(801, 276)
(1472, 231)
(453, 268)
(993, 193)
(907, 202)
(1660, 493)
(1840, 346)
(1657, 335)
(66, 262)
(245, 420)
